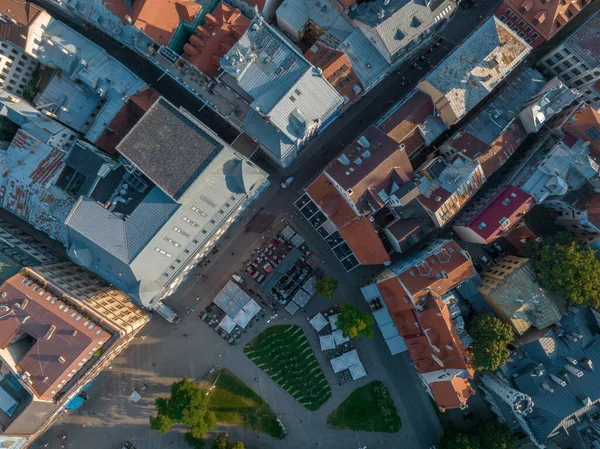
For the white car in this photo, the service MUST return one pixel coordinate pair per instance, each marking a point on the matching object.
(287, 182)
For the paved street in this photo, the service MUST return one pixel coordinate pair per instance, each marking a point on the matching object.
(166, 354)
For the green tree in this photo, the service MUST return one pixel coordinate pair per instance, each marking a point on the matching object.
(458, 440)
(327, 287)
(222, 442)
(570, 270)
(495, 435)
(490, 339)
(354, 323)
(195, 443)
(187, 405)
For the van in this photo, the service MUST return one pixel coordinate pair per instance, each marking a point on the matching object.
(167, 314)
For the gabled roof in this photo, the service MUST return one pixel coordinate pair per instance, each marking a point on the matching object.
(547, 17)
(337, 70)
(502, 213)
(17, 16)
(221, 29)
(585, 41)
(63, 336)
(584, 124)
(449, 394)
(400, 121)
(128, 116)
(477, 66)
(159, 19)
(369, 161)
(362, 238)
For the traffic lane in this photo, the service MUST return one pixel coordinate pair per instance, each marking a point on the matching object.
(150, 74)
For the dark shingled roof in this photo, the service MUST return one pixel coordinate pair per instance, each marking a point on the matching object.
(155, 146)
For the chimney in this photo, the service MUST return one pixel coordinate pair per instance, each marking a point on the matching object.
(558, 380)
(575, 371)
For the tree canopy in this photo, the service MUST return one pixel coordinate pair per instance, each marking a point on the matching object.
(570, 270)
(221, 442)
(187, 405)
(487, 435)
(490, 339)
(327, 287)
(354, 323)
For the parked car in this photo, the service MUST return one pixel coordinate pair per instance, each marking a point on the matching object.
(287, 182)
(485, 259)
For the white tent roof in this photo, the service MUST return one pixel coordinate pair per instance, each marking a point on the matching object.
(252, 308)
(227, 324)
(327, 342)
(333, 321)
(318, 322)
(345, 361)
(357, 371)
(292, 307)
(242, 318)
(301, 298)
(310, 286)
(339, 337)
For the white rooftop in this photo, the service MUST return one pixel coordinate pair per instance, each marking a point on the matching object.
(318, 322)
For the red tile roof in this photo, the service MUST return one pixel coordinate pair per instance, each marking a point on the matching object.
(17, 16)
(427, 274)
(362, 238)
(159, 19)
(214, 39)
(330, 201)
(547, 17)
(502, 149)
(519, 233)
(337, 69)
(63, 336)
(469, 145)
(512, 204)
(451, 394)
(132, 112)
(358, 168)
(403, 121)
(584, 124)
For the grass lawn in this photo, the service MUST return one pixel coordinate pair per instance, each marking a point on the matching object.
(284, 353)
(366, 410)
(237, 405)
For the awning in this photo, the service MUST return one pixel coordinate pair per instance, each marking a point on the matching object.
(318, 322)
(396, 345)
(327, 342)
(227, 324)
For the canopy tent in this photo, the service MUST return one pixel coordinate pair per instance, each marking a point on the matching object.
(333, 319)
(297, 241)
(357, 371)
(339, 337)
(310, 286)
(318, 322)
(292, 307)
(288, 233)
(227, 324)
(345, 361)
(396, 345)
(301, 298)
(237, 304)
(242, 318)
(327, 342)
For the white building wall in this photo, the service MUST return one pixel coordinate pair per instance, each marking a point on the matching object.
(16, 68)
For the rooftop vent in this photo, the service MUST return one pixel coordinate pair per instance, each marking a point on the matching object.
(50, 332)
(24, 319)
(558, 380)
(364, 142)
(587, 364)
(575, 371)
(547, 387)
(61, 359)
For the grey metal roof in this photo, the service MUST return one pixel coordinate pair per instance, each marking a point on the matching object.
(278, 144)
(169, 148)
(397, 23)
(326, 16)
(366, 60)
(475, 68)
(87, 161)
(143, 252)
(287, 90)
(491, 121)
(547, 355)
